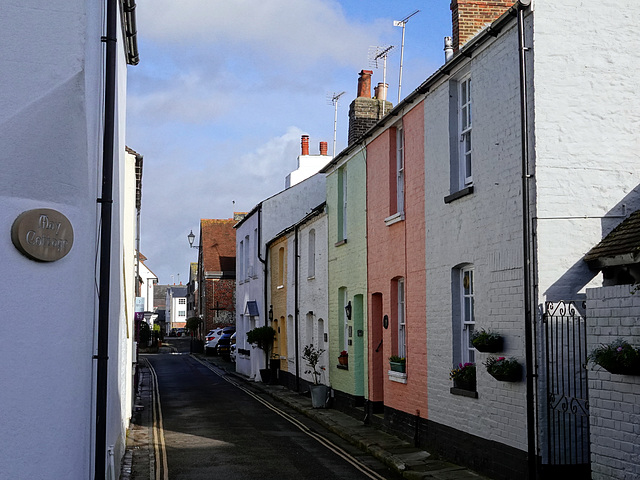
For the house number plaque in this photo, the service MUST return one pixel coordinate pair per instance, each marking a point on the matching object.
(42, 234)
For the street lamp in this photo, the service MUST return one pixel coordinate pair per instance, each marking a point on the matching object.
(191, 237)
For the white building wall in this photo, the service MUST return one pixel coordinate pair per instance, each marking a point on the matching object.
(51, 113)
(587, 113)
(148, 280)
(482, 229)
(312, 296)
(277, 213)
(248, 289)
(612, 313)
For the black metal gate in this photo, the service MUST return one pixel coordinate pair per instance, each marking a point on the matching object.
(564, 351)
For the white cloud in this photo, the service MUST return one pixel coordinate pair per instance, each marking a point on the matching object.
(304, 31)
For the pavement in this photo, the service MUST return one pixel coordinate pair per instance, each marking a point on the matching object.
(410, 462)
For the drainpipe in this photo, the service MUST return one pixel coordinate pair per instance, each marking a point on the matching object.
(263, 261)
(106, 204)
(296, 313)
(527, 245)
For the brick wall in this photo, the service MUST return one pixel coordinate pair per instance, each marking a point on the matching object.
(614, 400)
(220, 294)
(470, 16)
(364, 114)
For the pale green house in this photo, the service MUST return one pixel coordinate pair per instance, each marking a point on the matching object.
(347, 253)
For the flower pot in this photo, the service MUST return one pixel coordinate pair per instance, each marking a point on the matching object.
(511, 376)
(490, 346)
(343, 360)
(319, 396)
(398, 366)
(265, 374)
(465, 385)
(622, 369)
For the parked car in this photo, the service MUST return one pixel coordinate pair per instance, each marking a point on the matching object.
(232, 348)
(181, 332)
(173, 332)
(212, 341)
(224, 345)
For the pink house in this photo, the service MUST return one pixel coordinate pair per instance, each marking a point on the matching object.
(396, 265)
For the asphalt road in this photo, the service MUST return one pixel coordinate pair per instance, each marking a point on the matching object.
(217, 428)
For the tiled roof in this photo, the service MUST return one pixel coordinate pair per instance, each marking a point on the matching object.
(218, 239)
(623, 242)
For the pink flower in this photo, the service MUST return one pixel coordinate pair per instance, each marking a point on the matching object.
(500, 359)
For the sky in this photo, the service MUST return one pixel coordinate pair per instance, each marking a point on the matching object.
(225, 89)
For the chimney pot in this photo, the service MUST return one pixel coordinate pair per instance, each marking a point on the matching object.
(323, 148)
(381, 91)
(364, 83)
(305, 145)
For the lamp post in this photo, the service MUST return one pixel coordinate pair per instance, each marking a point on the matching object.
(191, 237)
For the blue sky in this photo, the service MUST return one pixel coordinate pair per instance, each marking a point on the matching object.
(225, 89)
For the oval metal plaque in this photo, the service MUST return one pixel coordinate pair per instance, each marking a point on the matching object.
(42, 234)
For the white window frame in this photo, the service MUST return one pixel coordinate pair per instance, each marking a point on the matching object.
(402, 327)
(400, 169)
(311, 260)
(342, 204)
(465, 126)
(467, 313)
(241, 261)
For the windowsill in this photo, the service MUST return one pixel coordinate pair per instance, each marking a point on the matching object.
(342, 367)
(312, 277)
(463, 393)
(341, 242)
(395, 218)
(459, 194)
(397, 376)
(279, 287)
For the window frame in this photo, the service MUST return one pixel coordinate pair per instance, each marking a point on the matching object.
(400, 164)
(467, 313)
(465, 127)
(402, 318)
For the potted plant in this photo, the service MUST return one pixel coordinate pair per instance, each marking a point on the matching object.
(319, 393)
(464, 376)
(397, 364)
(343, 358)
(504, 369)
(486, 341)
(262, 337)
(617, 357)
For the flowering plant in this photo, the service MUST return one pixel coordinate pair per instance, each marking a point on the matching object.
(312, 356)
(396, 358)
(486, 341)
(617, 357)
(344, 353)
(464, 373)
(501, 368)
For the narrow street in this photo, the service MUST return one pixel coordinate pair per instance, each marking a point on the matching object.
(212, 427)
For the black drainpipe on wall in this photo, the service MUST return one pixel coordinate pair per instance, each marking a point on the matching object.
(264, 263)
(527, 240)
(296, 313)
(106, 204)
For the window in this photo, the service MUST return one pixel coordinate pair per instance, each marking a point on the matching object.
(467, 315)
(344, 324)
(182, 301)
(402, 350)
(342, 204)
(182, 313)
(281, 266)
(247, 258)
(241, 261)
(255, 250)
(311, 260)
(465, 124)
(400, 170)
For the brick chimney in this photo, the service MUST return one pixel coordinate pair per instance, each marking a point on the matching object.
(305, 145)
(470, 16)
(364, 84)
(364, 111)
(323, 148)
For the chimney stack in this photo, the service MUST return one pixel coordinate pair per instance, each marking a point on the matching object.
(305, 145)
(323, 148)
(364, 83)
(470, 16)
(364, 111)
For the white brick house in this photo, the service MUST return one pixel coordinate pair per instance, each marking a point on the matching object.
(260, 225)
(581, 177)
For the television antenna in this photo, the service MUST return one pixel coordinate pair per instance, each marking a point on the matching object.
(375, 54)
(402, 23)
(333, 98)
